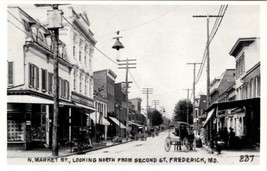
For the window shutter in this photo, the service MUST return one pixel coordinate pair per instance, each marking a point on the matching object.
(68, 89)
(44, 80)
(37, 77)
(31, 75)
(10, 72)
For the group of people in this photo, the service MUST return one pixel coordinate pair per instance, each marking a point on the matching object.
(224, 139)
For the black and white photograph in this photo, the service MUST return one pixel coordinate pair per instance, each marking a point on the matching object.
(134, 83)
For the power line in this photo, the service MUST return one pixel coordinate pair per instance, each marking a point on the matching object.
(16, 26)
(94, 46)
(212, 34)
(134, 81)
(149, 21)
(214, 31)
(141, 24)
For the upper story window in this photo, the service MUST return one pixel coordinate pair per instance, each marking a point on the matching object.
(85, 54)
(85, 85)
(44, 80)
(50, 82)
(80, 50)
(80, 83)
(33, 76)
(74, 44)
(74, 79)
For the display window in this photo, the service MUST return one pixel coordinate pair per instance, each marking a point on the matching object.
(15, 131)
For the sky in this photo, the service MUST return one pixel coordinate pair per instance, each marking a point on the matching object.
(163, 38)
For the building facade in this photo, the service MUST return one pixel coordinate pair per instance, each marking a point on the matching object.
(80, 44)
(246, 52)
(30, 82)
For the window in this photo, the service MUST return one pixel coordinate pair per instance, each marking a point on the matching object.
(64, 88)
(85, 85)
(80, 82)
(50, 83)
(80, 50)
(90, 87)
(44, 80)
(74, 79)
(74, 43)
(67, 87)
(10, 73)
(33, 76)
(85, 55)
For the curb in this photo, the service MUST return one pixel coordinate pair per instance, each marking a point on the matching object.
(93, 149)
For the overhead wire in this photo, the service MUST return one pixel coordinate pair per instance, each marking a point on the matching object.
(141, 24)
(213, 33)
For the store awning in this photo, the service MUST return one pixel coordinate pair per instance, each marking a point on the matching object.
(83, 106)
(28, 99)
(132, 123)
(209, 116)
(117, 122)
(95, 117)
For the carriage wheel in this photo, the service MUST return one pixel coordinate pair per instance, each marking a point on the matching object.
(186, 144)
(167, 144)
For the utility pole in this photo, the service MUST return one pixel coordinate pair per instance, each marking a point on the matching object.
(155, 102)
(194, 86)
(126, 64)
(147, 91)
(208, 52)
(187, 111)
(54, 24)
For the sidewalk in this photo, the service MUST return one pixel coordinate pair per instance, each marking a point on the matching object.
(62, 152)
(232, 153)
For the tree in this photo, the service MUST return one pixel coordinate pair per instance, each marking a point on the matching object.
(180, 111)
(156, 117)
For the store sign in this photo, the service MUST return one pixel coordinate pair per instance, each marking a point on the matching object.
(82, 100)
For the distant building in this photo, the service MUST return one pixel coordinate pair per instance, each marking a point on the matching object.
(200, 107)
(104, 86)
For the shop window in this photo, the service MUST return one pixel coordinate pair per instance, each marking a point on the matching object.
(33, 76)
(15, 131)
(44, 80)
(10, 73)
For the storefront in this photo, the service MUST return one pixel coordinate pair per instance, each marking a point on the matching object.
(243, 120)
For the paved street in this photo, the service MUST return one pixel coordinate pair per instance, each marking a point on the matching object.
(150, 152)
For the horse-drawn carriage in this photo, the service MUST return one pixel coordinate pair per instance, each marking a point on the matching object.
(183, 138)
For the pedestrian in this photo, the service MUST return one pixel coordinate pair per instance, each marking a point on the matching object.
(218, 143)
(231, 138)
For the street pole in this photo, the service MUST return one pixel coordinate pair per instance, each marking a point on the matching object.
(54, 24)
(187, 111)
(155, 102)
(127, 67)
(208, 53)
(147, 91)
(194, 87)
(56, 99)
